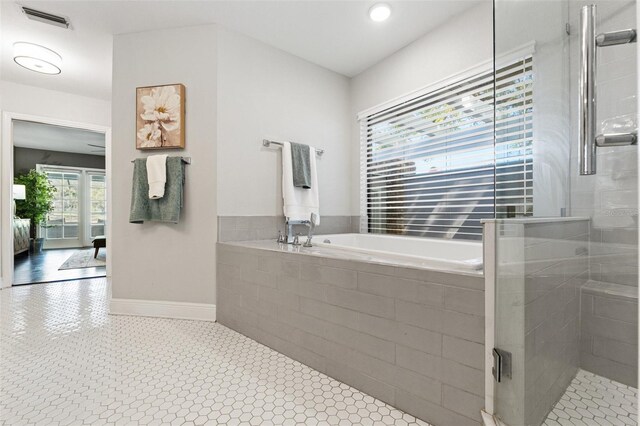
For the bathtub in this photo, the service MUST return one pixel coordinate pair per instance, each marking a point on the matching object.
(354, 312)
(437, 253)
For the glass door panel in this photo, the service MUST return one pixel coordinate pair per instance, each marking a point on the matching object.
(79, 207)
(98, 204)
(63, 221)
(565, 288)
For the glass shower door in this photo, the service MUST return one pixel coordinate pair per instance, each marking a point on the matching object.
(563, 271)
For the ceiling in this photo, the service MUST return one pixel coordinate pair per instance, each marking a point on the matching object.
(27, 134)
(337, 35)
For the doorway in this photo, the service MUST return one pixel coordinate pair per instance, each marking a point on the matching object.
(72, 158)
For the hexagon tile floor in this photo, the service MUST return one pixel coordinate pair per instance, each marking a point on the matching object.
(592, 400)
(65, 361)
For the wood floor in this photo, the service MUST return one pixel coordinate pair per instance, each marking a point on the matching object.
(43, 268)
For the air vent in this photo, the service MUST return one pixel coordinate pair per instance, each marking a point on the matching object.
(47, 18)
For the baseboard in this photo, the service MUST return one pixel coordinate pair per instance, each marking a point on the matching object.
(491, 420)
(163, 309)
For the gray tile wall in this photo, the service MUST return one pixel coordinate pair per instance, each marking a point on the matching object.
(247, 228)
(410, 337)
(614, 255)
(540, 268)
(609, 331)
(610, 197)
(556, 266)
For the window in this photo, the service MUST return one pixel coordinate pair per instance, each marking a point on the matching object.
(429, 165)
(79, 206)
(63, 220)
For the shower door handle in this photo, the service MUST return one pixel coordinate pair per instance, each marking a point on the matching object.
(587, 139)
(617, 139)
(587, 88)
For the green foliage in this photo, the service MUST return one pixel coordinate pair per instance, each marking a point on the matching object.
(39, 202)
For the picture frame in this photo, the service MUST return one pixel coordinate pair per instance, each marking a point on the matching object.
(160, 113)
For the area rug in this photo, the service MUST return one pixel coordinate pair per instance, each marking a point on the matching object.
(84, 259)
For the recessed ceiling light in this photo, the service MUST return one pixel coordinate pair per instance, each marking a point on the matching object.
(379, 12)
(37, 58)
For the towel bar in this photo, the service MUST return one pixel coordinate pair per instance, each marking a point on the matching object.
(186, 160)
(267, 143)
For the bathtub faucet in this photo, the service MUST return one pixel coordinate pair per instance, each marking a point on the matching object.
(311, 223)
(312, 226)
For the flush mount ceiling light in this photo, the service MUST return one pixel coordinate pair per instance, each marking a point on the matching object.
(37, 58)
(380, 12)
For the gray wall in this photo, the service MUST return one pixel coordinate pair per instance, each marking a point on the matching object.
(264, 92)
(25, 159)
(160, 261)
(413, 338)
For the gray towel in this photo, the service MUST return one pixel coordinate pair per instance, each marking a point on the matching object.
(165, 209)
(301, 165)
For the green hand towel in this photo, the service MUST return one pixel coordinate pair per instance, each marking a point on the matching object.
(165, 209)
(301, 165)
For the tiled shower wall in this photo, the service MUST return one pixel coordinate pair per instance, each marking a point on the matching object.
(540, 267)
(609, 319)
(556, 267)
(609, 331)
(610, 197)
(411, 337)
(247, 228)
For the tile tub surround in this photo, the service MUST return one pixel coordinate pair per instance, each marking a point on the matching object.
(540, 266)
(411, 337)
(609, 331)
(248, 228)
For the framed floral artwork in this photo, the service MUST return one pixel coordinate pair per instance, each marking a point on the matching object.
(160, 117)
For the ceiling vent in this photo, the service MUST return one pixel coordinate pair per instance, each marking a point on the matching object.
(47, 18)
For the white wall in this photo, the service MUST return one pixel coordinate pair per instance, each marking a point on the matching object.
(49, 105)
(155, 261)
(19, 98)
(463, 42)
(263, 93)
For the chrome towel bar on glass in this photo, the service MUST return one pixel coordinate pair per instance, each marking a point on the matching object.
(267, 143)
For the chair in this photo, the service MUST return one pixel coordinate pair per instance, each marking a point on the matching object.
(99, 242)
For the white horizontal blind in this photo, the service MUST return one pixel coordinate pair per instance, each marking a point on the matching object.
(429, 166)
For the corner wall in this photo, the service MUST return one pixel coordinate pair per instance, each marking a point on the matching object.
(154, 261)
(461, 43)
(265, 93)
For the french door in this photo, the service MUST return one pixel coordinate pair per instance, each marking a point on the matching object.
(79, 206)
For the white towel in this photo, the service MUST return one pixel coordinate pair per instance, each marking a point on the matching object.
(299, 203)
(156, 175)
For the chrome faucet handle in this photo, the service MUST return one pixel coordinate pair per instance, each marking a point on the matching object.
(296, 239)
(281, 238)
(308, 242)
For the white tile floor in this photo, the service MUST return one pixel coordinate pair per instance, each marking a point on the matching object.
(592, 400)
(64, 360)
